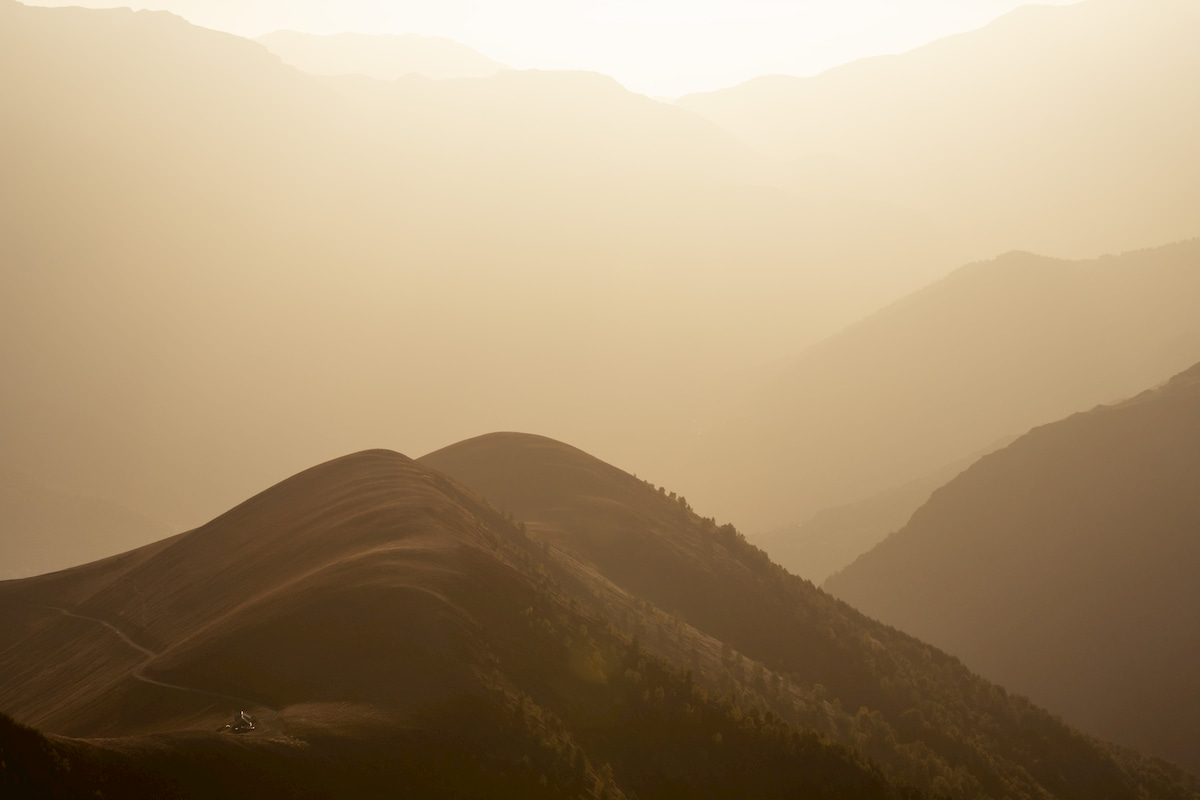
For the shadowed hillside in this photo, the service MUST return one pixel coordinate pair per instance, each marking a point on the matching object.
(1064, 130)
(1064, 566)
(784, 645)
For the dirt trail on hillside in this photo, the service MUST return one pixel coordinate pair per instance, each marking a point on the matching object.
(265, 722)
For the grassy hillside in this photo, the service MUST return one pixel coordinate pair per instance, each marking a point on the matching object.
(388, 632)
(701, 595)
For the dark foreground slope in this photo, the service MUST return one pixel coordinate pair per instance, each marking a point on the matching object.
(700, 595)
(1065, 567)
(391, 635)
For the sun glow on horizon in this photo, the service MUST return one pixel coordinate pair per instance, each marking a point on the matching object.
(662, 48)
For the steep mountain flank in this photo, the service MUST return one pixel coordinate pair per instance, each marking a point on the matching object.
(1064, 567)
(784, 644)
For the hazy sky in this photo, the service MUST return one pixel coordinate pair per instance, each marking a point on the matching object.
(659, 47)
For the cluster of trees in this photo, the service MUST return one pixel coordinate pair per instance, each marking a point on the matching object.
(699, 596)
(622, 722)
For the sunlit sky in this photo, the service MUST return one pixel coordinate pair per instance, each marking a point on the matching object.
(657, 47)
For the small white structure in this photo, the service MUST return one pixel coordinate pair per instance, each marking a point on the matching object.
(242, 723)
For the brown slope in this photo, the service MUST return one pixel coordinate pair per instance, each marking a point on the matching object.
(1064, 566)
(308, 592)
(931, 722)
(642, 539)
(1059, 129)
(391, 634)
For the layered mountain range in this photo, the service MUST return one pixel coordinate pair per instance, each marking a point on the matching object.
(208, 248)
(948, 373)
(199, 234)
(217, 268)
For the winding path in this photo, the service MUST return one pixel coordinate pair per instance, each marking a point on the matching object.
(139, 674)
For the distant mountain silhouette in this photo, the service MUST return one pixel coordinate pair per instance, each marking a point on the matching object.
(1064, 566)
(379, 56)
(389, 632)
(1064, 130)
(46, 529)
(986, 353)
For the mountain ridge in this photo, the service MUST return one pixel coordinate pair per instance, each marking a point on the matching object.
(368, 604)
(374, 603)
(708, 580)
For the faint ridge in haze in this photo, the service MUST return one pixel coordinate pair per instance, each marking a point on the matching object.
(988, 352)
(252, 246)
(46, 529)
(1033, 132)
(833, 537)
(383, 56)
